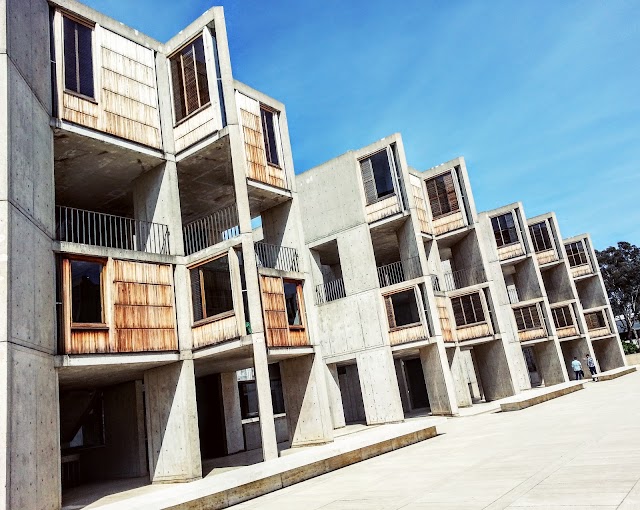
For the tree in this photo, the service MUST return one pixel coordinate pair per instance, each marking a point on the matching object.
(620, 267)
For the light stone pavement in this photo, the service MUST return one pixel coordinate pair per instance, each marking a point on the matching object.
(578, 451)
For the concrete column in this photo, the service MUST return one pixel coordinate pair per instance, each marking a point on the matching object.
(184, 313)
(232, 412)
(335, 397)
(463, 395)
(402, 386)
(379, 386)
(265, 405)
(608, 352)
(172, 423)
(494, 370)
(438, 379)
(306, 402)
(549, 363)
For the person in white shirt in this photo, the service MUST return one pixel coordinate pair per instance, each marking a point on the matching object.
(577, 368)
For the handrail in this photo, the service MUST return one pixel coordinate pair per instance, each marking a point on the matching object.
(110, 231)
(464, 278)
(283, 258)
(400, 271)
(219, 226)
(330, 291)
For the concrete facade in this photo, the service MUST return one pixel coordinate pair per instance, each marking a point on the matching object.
(174, 293)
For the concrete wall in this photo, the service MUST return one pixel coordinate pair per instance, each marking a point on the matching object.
(633, 359)
(379, 386)
(493, 370)
(607, 352)
(251, 430)
(550, 362)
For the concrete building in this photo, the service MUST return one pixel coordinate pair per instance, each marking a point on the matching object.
(174, 294)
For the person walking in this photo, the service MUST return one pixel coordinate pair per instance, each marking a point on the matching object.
(577, 368)
(591, 363)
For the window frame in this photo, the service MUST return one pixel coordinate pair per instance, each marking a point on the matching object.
(393, 170)
(534, 239)
(482, 309)
(568, 314)
(580, 253)
(388, 304)
(178, 54)
(521, 310)
(67, 291)
(502, 230)
(203, 303)
(275, 116)
(599, 313)
(92, 27)
(300, 301)
(445, 194)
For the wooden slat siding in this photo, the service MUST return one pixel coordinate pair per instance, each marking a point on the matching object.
(80, 111)
(368, 181)
(405, 335)
(275, 311)
(566, 331)
(86, 341)
(581, 270)
(510, 251)
(215, 332)
(531, 334)
(445, 322)
(595, 333)
(143, 313)
(471, 332)
(546, 256)
(421, 205)
(195, 128)
(382, 209)
(448, 222)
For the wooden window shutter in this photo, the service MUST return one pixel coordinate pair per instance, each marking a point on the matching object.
(452, 197)
(178, 89)
(190, 81)
(370, 191)
(391, 316)
(434, 201)
(196, 294)
(458, 313)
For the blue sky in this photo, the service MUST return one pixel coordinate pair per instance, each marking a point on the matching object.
(542, 98)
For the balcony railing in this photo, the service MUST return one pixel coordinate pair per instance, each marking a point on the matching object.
(210, 230)
(435, 283)
(109, 231)
(464, 278)
(330, 291)
(398, 272)
(277, 257)
(513, 295)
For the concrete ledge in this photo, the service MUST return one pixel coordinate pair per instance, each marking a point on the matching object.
(232, 487)
(525, 400)
(615, 373)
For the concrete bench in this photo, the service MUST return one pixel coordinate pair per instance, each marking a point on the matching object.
(527, 399)
(615, 373)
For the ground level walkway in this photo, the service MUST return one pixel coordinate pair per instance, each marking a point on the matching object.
(578, 451)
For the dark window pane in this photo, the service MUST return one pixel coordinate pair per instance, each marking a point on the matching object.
(293, 308)
(216, 283)
(86, 293)
(189, 79)
(70, 69)
(405, 308)
(248, 399)
(382, 174)
(177, 81)
(269, 134)
(85, 60)
(201, 70)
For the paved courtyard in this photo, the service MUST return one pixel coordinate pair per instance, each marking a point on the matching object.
(578, 451)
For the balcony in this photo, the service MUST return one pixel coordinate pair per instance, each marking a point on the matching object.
(567, 331)
(398, 272)
(282, 258)
(109, 231)
(530, 322)
(219, 226)
(330, 291)
(546, 256)
(581, 270)
(464, 278)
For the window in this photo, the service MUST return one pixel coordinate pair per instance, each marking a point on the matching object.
(504, 229)
(78, 57)
(189, 79)
(467, 309)
(377, 177)
(562, 317)
(576, 254)
(86, 292)
(292, 301)
(528, 318)
(249, 396)
(402, 309)
(540, 237)
(442, 195)
(595, 320)
(87, 430)
(269, 135)
(211, 289)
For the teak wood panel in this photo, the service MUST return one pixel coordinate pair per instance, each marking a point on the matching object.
(471, 332)
(581, 270)
(421, 205)
(595, 333)
(510, 251)
(408, 334)
(195, 128)
(531, 334)
(445, 322)
(279, 333)
(382, 208)
(546, 256)
(90, 340)
(448, 222)
(567, 332)
(214, 332)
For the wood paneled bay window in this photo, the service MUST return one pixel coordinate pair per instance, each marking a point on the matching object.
(467, 309)
(211, 290)
(528, 318)
(84, 292)
(402, 309)
(284, 312)
(562, 317)
(377, 175)
(540, 237)
(443, 198)
(576, 254)
(189, 79)
(504, 229)
(78, 57)
(595, 320)
(268, 118)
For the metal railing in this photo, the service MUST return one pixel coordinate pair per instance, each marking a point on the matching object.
(100, 229)
(513, 295)
(330, 291)
(277, 257)
(398, 272)
(219, 226)
(435, 283)
(464, 278)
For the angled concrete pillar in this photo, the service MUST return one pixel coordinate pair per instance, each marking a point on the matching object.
(438, 379)
(402, 386)
(265, 405)
(494, 370)
(232, 412)
(460, 384)
(306, 401)
(550, 363)
(334, 395)
(172, 423)
(379, 386)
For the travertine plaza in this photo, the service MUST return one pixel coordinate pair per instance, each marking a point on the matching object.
(174, 293)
